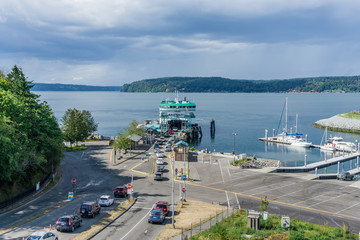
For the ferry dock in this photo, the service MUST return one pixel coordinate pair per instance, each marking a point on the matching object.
(323, 164)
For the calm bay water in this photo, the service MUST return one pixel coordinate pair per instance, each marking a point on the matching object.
(247, 114)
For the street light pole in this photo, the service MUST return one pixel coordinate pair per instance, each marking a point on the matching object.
(184, 174)
(234, 134)
(172, 194)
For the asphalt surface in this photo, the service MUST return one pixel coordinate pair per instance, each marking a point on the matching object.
(326, 201)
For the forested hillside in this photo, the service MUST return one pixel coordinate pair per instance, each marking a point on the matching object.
(71, 87)
(30, 138)
(218, 84)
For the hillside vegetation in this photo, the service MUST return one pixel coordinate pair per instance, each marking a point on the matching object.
(218, 84)
(31, 142)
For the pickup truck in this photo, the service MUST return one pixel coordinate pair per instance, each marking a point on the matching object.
(345, 176)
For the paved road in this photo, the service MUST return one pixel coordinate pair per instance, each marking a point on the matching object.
(331, 201)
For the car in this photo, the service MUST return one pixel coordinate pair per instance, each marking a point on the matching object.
(345, 176)
(105, 201)
(168, 148)
(164, 206)
(160, 168)
(42, 235)
(68, 223)
(175, 129)
(156, 145)
(89, 209)
(156, 216)
(158, 176)
(120, 192)
(160, 155)
(159, 161)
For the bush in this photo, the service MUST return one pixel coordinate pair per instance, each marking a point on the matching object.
(296, 236)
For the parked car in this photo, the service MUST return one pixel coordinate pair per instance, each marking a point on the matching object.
(160, 168)
(160, 155)
(156, 145)
(168, 148)
(89, 209)
(158, 176)
(68, 223)
(156, 216)
(42, 235)
(345, 176)
(175, 129)
(106, 201)
(120, 192)
(159, 161)
(164, 206)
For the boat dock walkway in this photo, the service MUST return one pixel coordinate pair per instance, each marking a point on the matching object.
(321, 164)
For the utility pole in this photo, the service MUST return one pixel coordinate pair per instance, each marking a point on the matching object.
(172, 194)
(234, 134)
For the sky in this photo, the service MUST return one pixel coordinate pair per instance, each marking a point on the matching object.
(112, 42)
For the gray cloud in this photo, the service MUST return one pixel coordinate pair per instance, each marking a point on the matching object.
(115, 42)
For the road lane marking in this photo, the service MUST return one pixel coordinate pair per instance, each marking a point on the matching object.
(348, 207)
(82, 155)
(222, 176)
(137, 224)
(271, 189)
(278, 202)
(332, 198)
(227, 197)
(237, 200)
(322, 195)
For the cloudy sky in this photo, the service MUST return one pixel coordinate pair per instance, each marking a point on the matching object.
(112, 42)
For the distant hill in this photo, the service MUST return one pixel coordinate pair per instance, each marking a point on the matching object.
(71, 87)
(218, 84)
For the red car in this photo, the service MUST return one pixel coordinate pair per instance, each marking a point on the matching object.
(120, 192)
(163, 206)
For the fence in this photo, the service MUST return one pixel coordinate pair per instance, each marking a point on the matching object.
(205, 224)
(17, 198)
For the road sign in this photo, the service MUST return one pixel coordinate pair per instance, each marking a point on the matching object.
(70, 196)
(183, 189)
(184, 177)
(73, 180)
(176, 170)
(129, 186)
(285, 221)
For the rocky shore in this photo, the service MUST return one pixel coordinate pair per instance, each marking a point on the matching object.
(338, 123)
(259, 163)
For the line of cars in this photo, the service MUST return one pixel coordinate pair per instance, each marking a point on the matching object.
(159, 212)
(160, 168)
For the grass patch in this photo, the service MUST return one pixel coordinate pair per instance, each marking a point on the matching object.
(105, 220)
(75, 148)
(353, 115)
(235, 227)
(239, 161)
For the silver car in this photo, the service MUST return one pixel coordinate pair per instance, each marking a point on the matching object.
(41, 235)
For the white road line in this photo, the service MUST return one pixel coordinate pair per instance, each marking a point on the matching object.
(319, 196)
(227, 197)
(82, 155)
(272, 189)
(228, 167)
(136, 224)
(222, 175)
(237, 200)
(348, 207)
(332, 198)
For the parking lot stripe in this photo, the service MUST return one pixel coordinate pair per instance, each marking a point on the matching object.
(279, 202)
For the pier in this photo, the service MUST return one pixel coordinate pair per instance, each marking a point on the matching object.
(322, 164)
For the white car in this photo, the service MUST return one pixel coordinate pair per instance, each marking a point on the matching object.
(106, 201)
(40, 235)
(160, 155)
(159, 161)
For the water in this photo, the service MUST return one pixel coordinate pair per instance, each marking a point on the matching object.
(247, 114)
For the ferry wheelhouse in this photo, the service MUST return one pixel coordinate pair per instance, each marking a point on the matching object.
(177, 115)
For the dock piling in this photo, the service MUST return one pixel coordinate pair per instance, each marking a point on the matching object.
(338, 168)
(305, 160)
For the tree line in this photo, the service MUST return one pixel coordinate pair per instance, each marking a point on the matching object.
(218, 84)
(31, 141)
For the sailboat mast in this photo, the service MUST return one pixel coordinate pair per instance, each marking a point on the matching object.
(286, 118)
(296, 123)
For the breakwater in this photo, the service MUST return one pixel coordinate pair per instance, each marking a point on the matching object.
(339, 124)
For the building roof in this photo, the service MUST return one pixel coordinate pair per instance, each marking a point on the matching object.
(182, 143)
(135, 137)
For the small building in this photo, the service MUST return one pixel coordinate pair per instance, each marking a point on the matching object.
(136, 139)
(181, 151)
(253, 220)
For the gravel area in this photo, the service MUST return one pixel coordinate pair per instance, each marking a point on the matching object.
(340, 123)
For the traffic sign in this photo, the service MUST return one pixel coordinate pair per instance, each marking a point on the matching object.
(183, 189)
(184, 177)
(73, 180)
(70, 196)
(129, 186)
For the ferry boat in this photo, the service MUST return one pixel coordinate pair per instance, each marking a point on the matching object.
(179, 116)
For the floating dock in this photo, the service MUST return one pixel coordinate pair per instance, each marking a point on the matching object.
(322, 164)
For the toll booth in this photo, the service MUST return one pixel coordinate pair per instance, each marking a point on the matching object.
(253, 220)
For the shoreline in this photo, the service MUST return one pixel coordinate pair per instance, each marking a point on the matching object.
(339, 124)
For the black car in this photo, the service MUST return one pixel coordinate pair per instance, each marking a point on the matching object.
(68, 223)
(89, 209)
(120, 191)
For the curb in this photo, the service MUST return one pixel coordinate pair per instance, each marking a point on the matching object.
(113, 220)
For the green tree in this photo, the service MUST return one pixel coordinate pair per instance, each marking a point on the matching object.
(123, 142)
(77, 125)
(135, 128)
(264, 204)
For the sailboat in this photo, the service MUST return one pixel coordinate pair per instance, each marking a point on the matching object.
(328, 145)
(293, 139)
